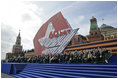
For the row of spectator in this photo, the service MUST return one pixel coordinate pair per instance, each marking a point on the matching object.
(99, 55)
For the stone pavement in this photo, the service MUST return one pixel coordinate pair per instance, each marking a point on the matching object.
(6, 76)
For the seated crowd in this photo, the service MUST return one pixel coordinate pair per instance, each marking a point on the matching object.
(99, 55)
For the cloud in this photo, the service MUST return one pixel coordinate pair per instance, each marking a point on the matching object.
(7, 39)
(84, 30)
(79, 19)
(7, 32)
(21, 15)
(74, 5)
(26, 17)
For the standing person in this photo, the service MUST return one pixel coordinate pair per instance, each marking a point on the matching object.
(85, 56)
(89, 56)
(25, 59)
(61, 57)
(51, 59)
(92, 58)
(76, 57)
(97, 56)
(29, 60)
(106, 55)
(103, 55)
(67, 57)
(94, 55)
(70, 60)
(80, 57)
(109, 53)
(100, 51)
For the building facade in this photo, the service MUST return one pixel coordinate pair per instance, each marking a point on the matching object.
(78, 39)
(8, 55)
(108, 32)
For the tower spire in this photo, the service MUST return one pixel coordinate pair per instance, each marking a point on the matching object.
(18, 40)
(19, 33)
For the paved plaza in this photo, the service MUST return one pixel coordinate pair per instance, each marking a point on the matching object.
(6, 76)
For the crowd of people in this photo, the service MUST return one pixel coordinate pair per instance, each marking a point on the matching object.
(99, 55)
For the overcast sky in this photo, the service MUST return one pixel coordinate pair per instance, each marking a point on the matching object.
(28, 16)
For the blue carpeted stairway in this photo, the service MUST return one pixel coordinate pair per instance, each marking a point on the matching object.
(35, 70)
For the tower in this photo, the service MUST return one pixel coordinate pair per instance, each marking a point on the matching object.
(93, 25)
(17, 47)
(94, 33)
